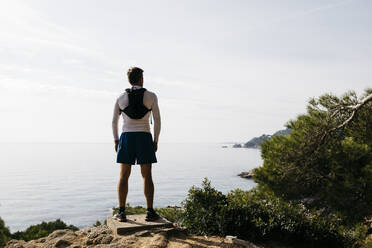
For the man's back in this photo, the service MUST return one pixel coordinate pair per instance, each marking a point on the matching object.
(150, 100)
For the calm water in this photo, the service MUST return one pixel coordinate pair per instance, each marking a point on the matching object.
(77, 182)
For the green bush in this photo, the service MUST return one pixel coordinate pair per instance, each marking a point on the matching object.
(259, 215)
(4, 233)
(364, 236)
(173, 214)
(41, 230)
(204, 209)
(98, 223)
(367, 243)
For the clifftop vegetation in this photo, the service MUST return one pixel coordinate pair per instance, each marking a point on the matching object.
(327, 158)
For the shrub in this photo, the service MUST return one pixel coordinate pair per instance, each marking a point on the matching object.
(98, 223)
(41, 230)
(4, 233)
(363, 230)
(173, 214)
(259, 215)
(204, 209)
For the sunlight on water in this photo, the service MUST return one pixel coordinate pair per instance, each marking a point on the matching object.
(77, 182)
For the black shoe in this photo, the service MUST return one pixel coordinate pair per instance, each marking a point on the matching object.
(151, 215)
(120, 216)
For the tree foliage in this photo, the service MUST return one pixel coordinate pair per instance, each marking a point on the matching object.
(4, 233)
(42, 230)
(327, 157)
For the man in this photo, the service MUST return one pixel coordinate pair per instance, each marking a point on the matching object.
(136, 143)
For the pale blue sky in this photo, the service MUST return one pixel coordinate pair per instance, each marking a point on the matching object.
(222, 70)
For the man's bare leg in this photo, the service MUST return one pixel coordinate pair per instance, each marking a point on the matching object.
(123, 184)
(148, 185)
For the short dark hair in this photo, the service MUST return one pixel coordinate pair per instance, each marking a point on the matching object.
(134, 74)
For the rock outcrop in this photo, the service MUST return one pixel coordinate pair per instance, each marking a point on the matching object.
(247, 175)
(102, 236)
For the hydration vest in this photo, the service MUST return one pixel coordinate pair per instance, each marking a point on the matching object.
(135, 109)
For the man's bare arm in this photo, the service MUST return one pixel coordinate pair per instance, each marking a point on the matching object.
(157, 121)
(115, 121)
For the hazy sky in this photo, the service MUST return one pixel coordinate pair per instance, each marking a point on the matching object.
(222, 70)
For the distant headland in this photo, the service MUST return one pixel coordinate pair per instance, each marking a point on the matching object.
(257, 141)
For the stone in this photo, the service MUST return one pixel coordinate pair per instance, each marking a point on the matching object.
(16, 243)
(42, 240)
(61, 243)
(97, 240)
(92, 235)
(247, 175)
(135, 223)
(144, 233)
(107, 239)
(57, 233)
(89, 242)
(240, 242)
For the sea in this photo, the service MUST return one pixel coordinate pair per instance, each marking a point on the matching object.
(77, 182)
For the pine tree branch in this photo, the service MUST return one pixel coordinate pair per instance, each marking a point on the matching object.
(354, 109)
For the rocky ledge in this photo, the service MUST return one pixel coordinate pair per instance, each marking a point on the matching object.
(102, 236)
(247, 174)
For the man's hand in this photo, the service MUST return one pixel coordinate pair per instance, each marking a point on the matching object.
(116, 145)
(155, 146)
